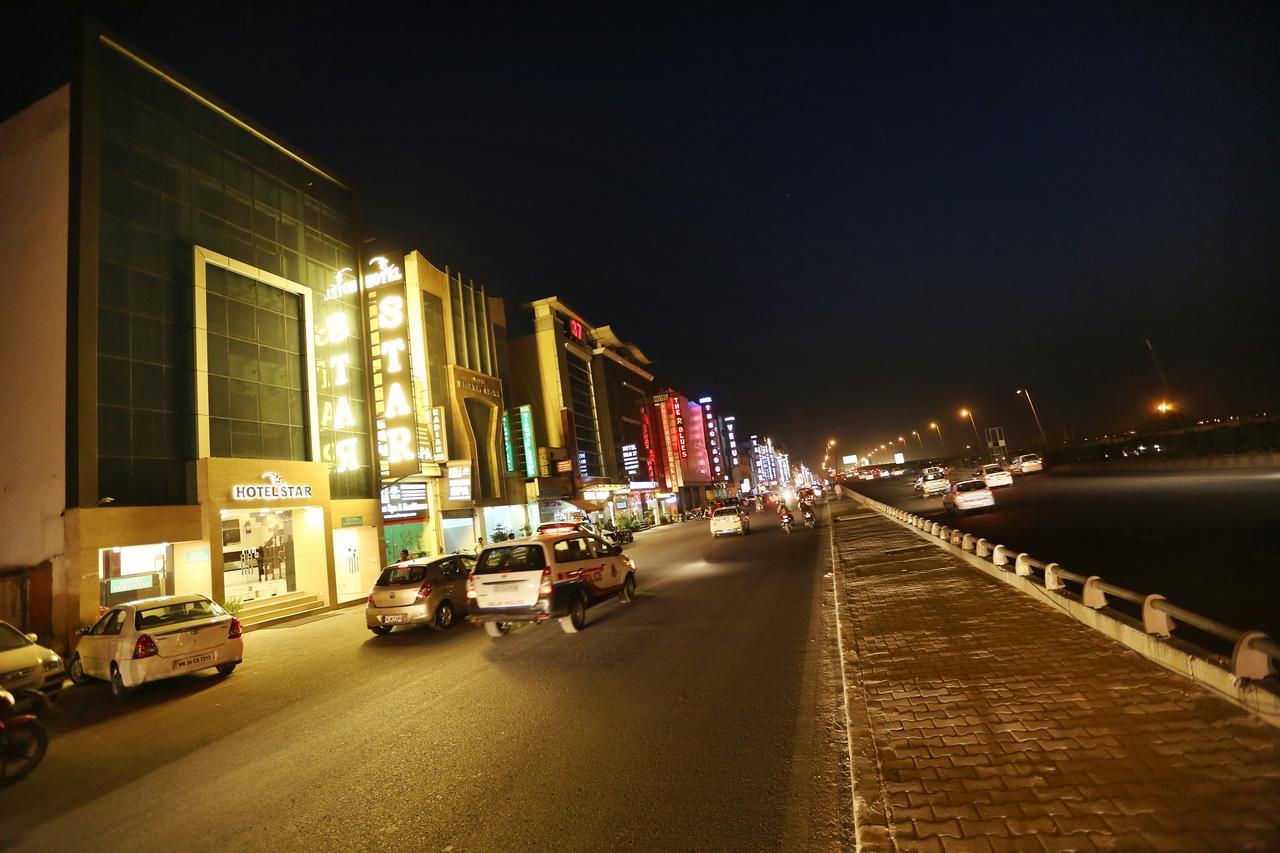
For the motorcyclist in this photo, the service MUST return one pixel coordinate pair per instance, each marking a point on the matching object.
(784, 512)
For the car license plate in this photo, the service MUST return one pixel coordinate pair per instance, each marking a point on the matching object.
(394, 617)
(187, 663)
(503, 604)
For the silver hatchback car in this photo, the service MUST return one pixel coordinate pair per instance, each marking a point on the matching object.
(419, 592)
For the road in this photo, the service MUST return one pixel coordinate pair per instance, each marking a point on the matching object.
(1204, 539)
(703, 716)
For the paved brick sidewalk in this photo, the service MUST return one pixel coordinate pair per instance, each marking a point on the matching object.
(983, 719)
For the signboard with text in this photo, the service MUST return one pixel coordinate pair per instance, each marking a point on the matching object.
(388, 320)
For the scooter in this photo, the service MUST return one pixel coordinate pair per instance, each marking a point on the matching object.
(23, 741)
(786, 524)
(809, 520)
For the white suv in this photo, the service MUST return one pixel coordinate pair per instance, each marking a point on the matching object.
(729, 520)
(555, 576)
(1026, 463)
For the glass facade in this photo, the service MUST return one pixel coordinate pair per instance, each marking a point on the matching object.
(176, 174)
(583, 417)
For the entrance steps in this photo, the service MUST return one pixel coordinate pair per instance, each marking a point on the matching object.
(278, 608)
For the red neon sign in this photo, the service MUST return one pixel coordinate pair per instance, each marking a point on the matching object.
(575, 329)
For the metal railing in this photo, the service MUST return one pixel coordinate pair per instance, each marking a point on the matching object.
(1253, 652)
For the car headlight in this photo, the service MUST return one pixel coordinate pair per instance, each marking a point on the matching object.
(51, 664)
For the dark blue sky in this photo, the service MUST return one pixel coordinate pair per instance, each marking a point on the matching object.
(837, 225)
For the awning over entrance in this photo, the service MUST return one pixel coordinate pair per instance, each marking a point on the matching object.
(584, 505)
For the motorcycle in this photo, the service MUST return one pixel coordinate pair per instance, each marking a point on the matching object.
(809, 519)
(23, 741)
(786, 524)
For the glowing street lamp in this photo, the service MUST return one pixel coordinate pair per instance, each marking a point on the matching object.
(919, 439)
(1165, 407)
(941, 440)
(965, 413)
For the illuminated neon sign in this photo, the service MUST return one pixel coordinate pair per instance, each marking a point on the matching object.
(678, 418)
(278, 490)
(575, 329)
(398, 436)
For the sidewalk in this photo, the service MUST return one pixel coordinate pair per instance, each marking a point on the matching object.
(981, 719)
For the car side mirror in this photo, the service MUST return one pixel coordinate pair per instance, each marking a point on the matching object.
(33, 638)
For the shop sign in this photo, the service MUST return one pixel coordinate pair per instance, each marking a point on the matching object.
(459, 482)
(630, 459)
(131, 583)
(402, 501)
(477, 383)
(331, 341)
(564, 466)
(398, 434)
(526, 437)
(198, 555)
(620, 504)
(277, 490)
(353, 521)
(678, 417)
(437, 434)
(643, 486)
(596, 494)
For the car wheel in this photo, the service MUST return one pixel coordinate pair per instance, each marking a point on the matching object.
(76, 671)
(444, 616)
(118, 689)
(227, 668)
(629, 588)
(380, 630)
(577, 618)
(497, 629)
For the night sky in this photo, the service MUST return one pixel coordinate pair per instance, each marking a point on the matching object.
(836, 226)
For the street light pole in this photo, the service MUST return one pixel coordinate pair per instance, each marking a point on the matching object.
(1027, 393)
(941, 440)
(969, 415)
(919, 439)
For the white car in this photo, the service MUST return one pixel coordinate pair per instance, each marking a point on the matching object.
(26, 665)
(547, 577)
(552, 528)
(968, 496)
(1027, 463)
(932, 485)
(157, 638)
(729, 521)
(994, 476)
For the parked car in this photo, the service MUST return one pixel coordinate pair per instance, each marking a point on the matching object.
(1027, 463)
(157, 638)
(547, 577)
(27, 665)
(730, 520)
(554, 527)
(419, 592)
(932, 485)
(994, 476)
(968, 496)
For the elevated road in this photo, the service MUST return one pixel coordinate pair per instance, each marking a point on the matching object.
(1205, 539)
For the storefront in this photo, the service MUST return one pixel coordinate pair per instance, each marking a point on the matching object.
(255, 535)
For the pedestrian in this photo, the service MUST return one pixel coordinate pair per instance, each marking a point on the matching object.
(404, 554)
(479, 544)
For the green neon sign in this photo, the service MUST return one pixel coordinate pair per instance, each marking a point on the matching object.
(506, 438)
(526, 434)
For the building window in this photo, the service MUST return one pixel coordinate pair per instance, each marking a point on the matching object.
(583, 414)
(257, 391)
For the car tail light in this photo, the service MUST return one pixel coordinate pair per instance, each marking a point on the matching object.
(145, 647)
(235, 630)
(471, 585)
(544, 588)
(423, 591)
(371, 601)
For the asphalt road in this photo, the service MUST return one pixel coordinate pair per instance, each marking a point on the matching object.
(1207, 540)
(703, 716)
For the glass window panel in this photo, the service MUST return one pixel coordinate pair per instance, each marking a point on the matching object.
(219, 397)
(237, 210)
(148, 293)
(215, 279)
(113, 380)
(148, 339)
(271, 329)
(113, 430)
(244, 399)
(275, 404)
(149, 437)
(275, 442)
(238, 175)
(206, 157)
(209, 230)
(271, 367)
(242, 358)
(217, 350)
(216, 314)
(148, 386)
(113, 286)
(297, 443)
(219, 437)
(246, 440)
(113, 333)
(241, 288)
(240, 320)
(296, 410)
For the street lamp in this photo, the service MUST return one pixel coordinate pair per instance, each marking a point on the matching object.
(965, 413)
(1025, 393)
(1165, 407)
(941, 440)
(919, 439)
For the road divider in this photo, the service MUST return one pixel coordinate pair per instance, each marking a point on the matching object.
(1247, 678)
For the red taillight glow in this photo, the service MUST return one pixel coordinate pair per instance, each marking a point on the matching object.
(234, 630)
(471, 585)
(544, 588)
(145, 647)
(423, 591)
